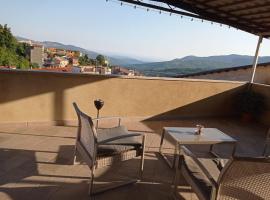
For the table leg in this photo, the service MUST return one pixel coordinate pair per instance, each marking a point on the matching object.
(161, 141)
(171, 164)
(176, 154)
(177, 166)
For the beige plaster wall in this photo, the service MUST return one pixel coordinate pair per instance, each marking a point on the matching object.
(265, 91)
(262, 75)
(28, 96)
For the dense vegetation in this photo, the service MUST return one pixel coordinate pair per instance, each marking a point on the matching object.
(85, 60)
(12, 53)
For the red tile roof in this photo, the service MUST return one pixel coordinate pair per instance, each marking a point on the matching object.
(56, 69)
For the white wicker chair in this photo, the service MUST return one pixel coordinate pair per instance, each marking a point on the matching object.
(105, 147)
(241, 178)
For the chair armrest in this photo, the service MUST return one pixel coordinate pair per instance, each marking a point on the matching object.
(109, 118)
(201, 166)
(120, 137)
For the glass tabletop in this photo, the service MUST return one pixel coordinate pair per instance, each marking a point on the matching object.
(187, 135)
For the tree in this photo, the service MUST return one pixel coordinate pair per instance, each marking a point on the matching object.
(6, 38)
(101, 60)
(84, 60)
(12, 53)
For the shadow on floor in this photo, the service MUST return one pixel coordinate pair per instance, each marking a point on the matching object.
(23, 176)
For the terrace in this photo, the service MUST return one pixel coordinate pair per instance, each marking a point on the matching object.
(38, 130)
(38, 123)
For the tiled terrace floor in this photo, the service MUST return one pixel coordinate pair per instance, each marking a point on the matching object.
(35, 162)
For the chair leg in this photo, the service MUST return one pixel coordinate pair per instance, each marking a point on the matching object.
(75, 156)
(91, 184)
(142, 157)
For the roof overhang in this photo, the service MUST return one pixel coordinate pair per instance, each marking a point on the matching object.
(252, 16)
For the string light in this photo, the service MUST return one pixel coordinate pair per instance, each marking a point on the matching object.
(160, 12)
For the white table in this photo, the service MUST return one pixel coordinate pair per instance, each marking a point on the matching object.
(187, 136)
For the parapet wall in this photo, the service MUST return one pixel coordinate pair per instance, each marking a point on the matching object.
(28, 96)
(262, 75)
(265, 91)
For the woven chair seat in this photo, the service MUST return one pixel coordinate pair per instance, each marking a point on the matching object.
(198, 178)
(118, 150)
(103, 134)
(108, 160)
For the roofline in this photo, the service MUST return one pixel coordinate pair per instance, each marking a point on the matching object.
(221, 70)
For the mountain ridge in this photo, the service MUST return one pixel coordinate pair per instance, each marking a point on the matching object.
(194, 64)
(124, 60)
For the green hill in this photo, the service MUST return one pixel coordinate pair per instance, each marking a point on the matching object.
(192, 64)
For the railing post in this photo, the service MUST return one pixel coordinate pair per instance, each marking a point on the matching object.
(255, 60)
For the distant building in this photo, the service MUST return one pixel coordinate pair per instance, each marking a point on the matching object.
(29, 42)
(75, 61)
(96, 70)
(61, 69)
(124, 71)
(63, 52)
(104, 70)
(242, 73)
(7, 67)
(61, 61)
(91, 69)
(36, 54)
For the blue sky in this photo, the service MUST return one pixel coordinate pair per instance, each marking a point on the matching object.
(108, 27)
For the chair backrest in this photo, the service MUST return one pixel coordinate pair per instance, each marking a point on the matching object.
(87, 136)
(245, 178)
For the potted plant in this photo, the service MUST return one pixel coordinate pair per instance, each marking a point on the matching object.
(250, 105)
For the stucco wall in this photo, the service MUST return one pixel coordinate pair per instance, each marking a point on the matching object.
(265, 91)
(28, 96)
(262, 75)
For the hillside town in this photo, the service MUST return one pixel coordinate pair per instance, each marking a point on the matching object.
(65, 60)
